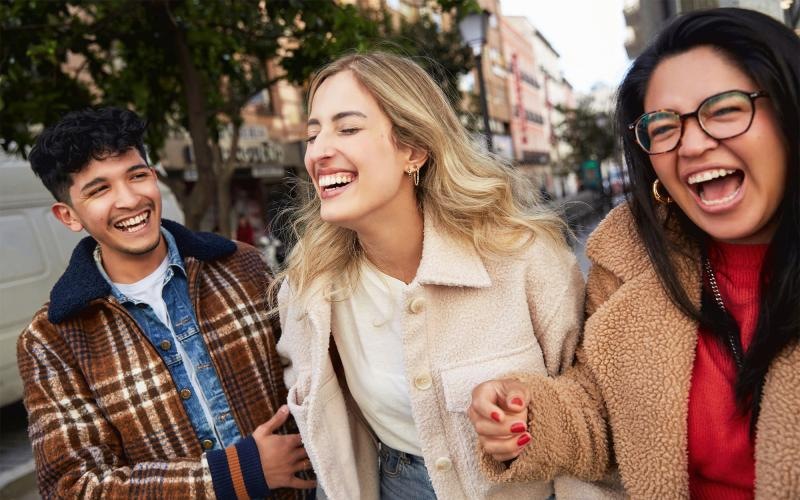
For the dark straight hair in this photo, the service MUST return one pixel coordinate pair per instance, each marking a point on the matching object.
(769, 53)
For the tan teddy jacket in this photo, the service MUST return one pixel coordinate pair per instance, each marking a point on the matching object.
(631, 385)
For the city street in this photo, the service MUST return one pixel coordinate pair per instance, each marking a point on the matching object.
(582, 233)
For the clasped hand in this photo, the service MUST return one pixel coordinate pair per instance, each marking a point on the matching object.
(499, 413)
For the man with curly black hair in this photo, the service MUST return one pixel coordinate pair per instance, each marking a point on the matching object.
(152, 371)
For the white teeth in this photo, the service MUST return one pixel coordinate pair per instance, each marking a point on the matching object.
(133, 221)
(707, 175)
(338, 178)
(721, 200)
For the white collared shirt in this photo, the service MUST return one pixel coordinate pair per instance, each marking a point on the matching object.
(367, 327)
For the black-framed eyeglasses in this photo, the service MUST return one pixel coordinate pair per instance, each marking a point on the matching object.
(721, 116)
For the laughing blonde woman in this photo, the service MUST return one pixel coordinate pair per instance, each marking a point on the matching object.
(422, 268)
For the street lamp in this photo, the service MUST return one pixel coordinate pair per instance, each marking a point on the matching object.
(473, 30)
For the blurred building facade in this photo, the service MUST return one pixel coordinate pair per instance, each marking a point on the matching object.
(495, 73)
(644, 18)
(270, 151)
(537, 88)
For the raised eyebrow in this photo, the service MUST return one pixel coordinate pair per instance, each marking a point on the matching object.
(338, 116)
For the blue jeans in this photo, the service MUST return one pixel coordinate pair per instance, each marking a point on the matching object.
(403, 476)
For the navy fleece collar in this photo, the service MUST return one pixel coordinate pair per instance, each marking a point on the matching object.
(82, 282)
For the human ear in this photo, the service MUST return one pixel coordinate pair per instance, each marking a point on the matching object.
(418, 157)
(66, 216)
(415, 157)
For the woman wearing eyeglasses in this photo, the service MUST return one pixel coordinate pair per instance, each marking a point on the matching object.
(688, 376)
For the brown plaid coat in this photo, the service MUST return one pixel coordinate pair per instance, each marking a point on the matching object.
(105, 417)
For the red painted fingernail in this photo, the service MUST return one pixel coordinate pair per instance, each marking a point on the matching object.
(518, 427)
(495, 416)
(516, 401)
(523, 440)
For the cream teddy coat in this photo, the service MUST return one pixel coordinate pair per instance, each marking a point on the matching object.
(466, 320)
(632, 379)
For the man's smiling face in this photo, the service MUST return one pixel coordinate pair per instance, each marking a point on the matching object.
(117, 201)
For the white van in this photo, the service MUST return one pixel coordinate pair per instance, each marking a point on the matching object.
(34, 251)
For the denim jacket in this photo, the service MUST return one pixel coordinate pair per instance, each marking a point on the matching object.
(184, 352)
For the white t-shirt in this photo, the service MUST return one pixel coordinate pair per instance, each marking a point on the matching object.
(149, 290)
(367, 328)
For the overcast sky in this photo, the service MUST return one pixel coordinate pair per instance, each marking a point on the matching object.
(588, 34)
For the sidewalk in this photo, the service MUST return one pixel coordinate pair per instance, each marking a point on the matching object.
(17, 479)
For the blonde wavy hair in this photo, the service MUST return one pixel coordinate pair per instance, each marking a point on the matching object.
(471, 195)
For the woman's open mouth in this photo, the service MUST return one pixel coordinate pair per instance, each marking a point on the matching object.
(333, 184)
(717, 188)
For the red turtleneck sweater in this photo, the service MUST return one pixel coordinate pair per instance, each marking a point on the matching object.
(721, 450)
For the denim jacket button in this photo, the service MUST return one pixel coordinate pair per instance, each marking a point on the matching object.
(186, 393)
(165, 345)
(207, 444)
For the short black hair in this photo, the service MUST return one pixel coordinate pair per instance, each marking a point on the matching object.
(80, 137)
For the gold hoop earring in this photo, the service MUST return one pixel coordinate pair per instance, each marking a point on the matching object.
(414, 174)
(661, 198)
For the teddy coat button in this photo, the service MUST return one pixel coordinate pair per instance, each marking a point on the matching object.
(422, 382)
(443, 464)
(416, 305)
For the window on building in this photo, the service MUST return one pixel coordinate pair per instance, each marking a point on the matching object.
(529, 79)
(534, 117)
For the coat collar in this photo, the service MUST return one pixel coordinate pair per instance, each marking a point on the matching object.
(82, 282)
(445, 261)
(616, 244)
(449, 262)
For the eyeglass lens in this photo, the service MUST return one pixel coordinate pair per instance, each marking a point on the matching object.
(721, 116)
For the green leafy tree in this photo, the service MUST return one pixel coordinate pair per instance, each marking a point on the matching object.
(588, 132)
(182, 64)
(33, 87)
(444, 56)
